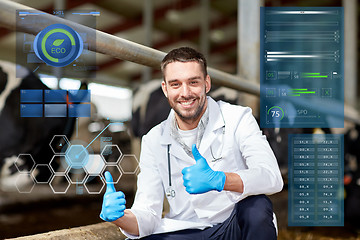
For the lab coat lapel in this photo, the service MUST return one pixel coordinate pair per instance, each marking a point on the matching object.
(175, 148)
(215, 122)
(166, 138)
(177, 151)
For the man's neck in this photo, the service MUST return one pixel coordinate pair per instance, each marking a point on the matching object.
(187, 124)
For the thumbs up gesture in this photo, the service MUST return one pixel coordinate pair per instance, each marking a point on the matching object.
(113, 203)
(200, 178)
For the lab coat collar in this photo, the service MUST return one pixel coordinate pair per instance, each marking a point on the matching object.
(166, 139)
(216, 121)
(166, 134)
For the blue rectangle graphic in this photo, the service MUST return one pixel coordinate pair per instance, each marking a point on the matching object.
(55, 96)
(301, 67)
(31, 95)
(79, 96)
(79, 110)
(31, 110)
(55, 110)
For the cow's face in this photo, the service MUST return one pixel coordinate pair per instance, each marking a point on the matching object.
(185, 87)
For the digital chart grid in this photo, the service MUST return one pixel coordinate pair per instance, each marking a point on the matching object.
(316, 172)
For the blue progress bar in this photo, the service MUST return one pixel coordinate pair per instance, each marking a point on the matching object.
(29, 13)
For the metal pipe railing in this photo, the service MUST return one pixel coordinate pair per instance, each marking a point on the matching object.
(126, 50)
(113, 46)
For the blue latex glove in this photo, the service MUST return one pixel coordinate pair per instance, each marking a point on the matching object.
(113, 203)
(200, 178)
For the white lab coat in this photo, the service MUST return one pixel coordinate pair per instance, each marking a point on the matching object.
(244, 150)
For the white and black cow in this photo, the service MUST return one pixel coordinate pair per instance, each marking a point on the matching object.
(20, 135)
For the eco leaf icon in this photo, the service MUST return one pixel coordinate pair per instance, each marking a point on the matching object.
(58, 42)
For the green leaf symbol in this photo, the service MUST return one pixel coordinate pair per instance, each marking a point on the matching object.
(58, 42)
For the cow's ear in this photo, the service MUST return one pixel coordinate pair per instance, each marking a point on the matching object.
(163, 87)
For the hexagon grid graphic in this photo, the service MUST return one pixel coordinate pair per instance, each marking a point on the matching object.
(95, 165)
(129, 164)
(92, 185)
(58, 164)
(59, 183)
(59, 144)
(76, 175)
(115, 173)
(22, 183)
(111, 154)
(24, 163)
(77, 156)
(42, 173)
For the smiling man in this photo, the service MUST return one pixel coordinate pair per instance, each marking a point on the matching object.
(209, 159)
(185, 87)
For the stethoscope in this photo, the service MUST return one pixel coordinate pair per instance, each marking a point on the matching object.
(170, 192)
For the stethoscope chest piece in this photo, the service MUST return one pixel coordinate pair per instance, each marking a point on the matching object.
(170, 193)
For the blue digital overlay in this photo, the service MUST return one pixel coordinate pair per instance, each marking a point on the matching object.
(55, 110)
(55, 103)
(79, 110)
(31, 95)
(55, 96)
(301, 67)
(57, 45)
(79, 96)
(316, 173)
(77, 156)
(31, 110)
(104, 141)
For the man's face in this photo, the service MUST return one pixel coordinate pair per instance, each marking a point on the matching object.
(185, 87)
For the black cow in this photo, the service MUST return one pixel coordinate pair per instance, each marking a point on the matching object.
(24, 135)
(352, 175)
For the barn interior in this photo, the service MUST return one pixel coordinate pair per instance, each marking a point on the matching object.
(120, 67)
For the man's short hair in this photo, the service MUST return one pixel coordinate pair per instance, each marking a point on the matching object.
(184, 54)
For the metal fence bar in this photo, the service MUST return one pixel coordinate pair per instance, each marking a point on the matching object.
(113, 46)
(126, 50)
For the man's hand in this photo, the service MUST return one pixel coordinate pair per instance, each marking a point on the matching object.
(113, 203)
(200, 178)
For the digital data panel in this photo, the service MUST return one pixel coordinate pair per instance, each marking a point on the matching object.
(302, 71)
(57, 45)
(316, 172)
